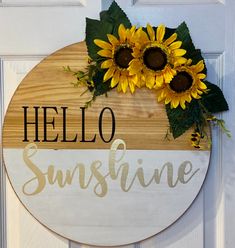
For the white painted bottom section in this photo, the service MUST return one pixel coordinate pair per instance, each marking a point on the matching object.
(118, 217)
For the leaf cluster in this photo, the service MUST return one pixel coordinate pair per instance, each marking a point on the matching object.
(196, 111)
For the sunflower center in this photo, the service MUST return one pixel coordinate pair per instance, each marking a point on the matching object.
(155, 59)
(123, 57)
(181, 82)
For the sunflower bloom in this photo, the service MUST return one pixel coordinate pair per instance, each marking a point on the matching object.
(155, 56)
(184, 86)
(117, 54)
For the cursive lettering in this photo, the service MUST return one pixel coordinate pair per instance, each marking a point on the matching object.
(93, 176)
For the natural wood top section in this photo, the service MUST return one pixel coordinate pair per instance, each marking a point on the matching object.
(140, 120)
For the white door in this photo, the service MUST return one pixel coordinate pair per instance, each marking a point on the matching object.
(32, 29)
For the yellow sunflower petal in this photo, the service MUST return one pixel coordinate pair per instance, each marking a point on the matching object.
(199, 66)
(113, 40)
(185, 97)
(175, 45)
(169, 74)
(188, 98)
(142, 78)
(171, 39)
(103, 44)
(167, 100)
(107, 64)
(119, 87)
(115, 79)
(194, 94)
(131, 86)
(160, 95)
(143, 36)
(201, 76)
(160, 33)
(199, 92)
(189, 62)
(138, 80)
(135, 80)
(172, 71)
(124, 82)
(201, 85)
(182, 104)
(130, 33)
(122, 33)
(109, 73)
(105, 53)
(163, 94)
(180, 61)
(159, 81)
(138, 32)
(168, 77)
(150, 81)
(151, 32)
(134, 66)
(132, 30)
(175, 102)
(136, 52)
(124, 86)
(179, 52)
(138, 44)
(159, 99)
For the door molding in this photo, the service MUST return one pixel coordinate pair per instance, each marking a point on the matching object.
(44, 3)
(3, 235)
(167, 2)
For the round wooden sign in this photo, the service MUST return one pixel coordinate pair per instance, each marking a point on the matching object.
(104, 175)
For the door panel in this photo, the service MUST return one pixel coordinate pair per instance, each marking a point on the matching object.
(34, 30)
(30, 33)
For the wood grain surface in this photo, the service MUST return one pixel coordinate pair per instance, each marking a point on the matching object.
(140, 120)
(96, 195)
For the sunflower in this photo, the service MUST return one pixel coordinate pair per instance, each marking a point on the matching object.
(184, 86)
(118, 54)
(155, 56)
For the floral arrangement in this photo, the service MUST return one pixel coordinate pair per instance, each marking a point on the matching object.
(165, 60)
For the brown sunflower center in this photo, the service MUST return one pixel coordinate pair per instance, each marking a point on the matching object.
(123, 57)
(181, 82)
(155, 59)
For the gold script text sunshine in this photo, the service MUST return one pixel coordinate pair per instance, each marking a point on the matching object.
(93, 176)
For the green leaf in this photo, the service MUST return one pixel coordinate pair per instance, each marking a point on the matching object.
(183, 35)
(196, 56)
(169, 32)
(109, 23)
(100, 86)
(96, 30)
(181, 120)
(116, 16)
(214, 101)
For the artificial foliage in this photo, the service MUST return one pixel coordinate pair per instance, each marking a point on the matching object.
(123, 57)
